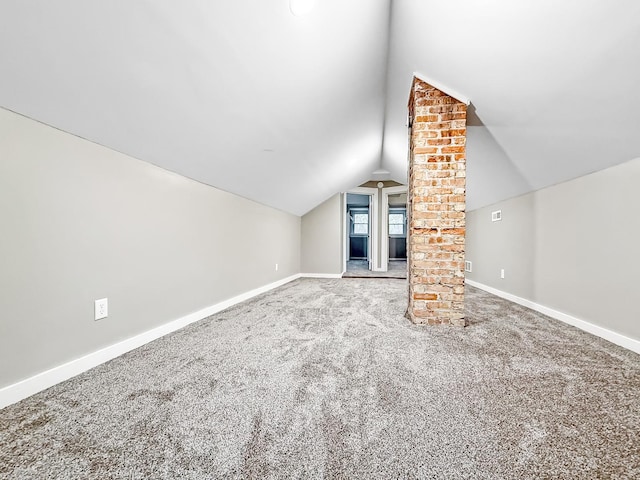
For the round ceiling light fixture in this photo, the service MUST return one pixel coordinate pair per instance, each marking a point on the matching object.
(301, 8)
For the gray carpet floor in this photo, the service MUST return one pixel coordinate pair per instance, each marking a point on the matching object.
(327, 379)
(360, 269)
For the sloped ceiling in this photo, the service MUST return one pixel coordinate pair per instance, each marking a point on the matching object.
(289, 110)
(553, 86)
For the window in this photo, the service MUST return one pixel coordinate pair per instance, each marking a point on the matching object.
(396, 224)
(361, 224)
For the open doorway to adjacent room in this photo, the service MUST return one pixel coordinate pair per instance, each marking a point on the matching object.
(360, 230)
(394, 234)
(375, 226)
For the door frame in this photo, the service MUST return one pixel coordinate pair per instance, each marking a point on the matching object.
(373, 230)
(385, 222)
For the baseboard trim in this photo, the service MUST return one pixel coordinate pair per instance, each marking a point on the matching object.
(321, 275)
(611, 336)
(41, 381)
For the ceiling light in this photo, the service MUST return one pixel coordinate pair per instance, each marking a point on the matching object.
(301, 7)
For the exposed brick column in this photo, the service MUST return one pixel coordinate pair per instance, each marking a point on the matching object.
(436, 206)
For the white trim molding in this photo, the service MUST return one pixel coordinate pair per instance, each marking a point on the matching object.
(41, 381)
(613, 337)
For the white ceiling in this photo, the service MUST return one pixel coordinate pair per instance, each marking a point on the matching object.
(289, 110)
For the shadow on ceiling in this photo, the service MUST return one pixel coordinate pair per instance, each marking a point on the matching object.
(473, 120)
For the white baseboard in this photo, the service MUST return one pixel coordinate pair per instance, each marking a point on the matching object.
(321, 275)
(614, 337)
(25, 388)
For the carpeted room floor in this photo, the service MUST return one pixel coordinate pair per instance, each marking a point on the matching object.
(327, 379)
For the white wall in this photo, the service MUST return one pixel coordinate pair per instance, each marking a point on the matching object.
(572, 247)
(82, 222)
(322, 236)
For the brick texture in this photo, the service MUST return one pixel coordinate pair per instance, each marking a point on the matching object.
(436, 206)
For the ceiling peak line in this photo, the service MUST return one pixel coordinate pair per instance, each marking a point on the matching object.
(385, 86)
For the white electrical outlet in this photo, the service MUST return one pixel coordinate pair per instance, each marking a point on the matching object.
(468, 266)
(276, 267)
(502, 273)
(101, 308)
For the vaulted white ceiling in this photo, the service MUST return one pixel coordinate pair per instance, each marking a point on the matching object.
(286, 110)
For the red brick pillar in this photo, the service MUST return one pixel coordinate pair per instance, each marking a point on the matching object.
(436, 206)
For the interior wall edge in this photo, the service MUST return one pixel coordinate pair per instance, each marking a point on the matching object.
(48, 378)
(321, 238)
(571, 247)
(604, 333)
(82, 222)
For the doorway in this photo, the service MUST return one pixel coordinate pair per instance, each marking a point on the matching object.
(396, 219)
(359, 232)
(360, 227)
(375, 232)
(394, 235)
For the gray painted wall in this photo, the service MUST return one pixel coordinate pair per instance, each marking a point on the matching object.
(322, 237)
(82, 222)
(507, 244)
(572, 247)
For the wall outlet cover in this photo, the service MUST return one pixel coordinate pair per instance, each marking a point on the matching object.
(101, 308)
